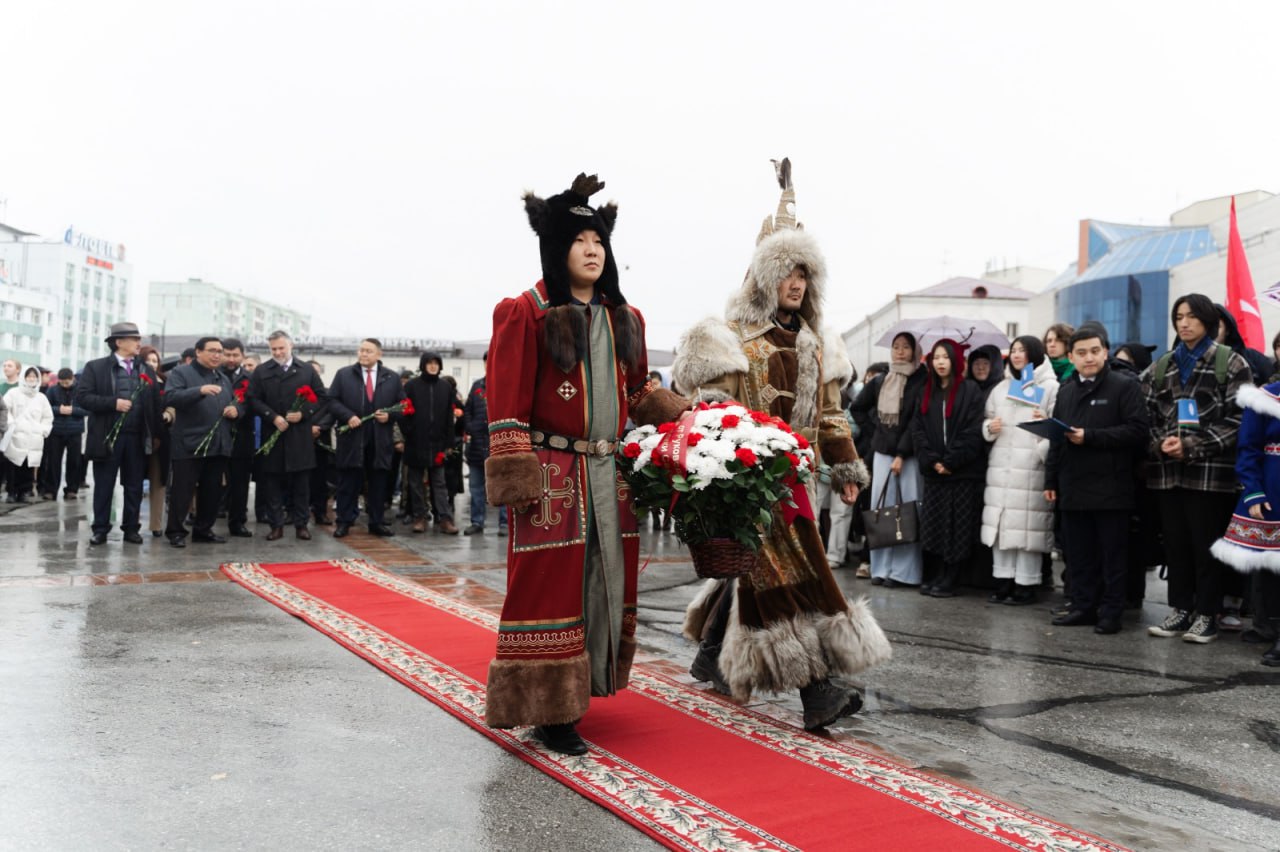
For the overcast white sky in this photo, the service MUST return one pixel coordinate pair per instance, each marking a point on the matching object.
(365, 160)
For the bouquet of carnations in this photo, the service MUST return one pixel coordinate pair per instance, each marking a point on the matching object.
(144, 382)
(720, 470)
(302, 396)
(403, 407)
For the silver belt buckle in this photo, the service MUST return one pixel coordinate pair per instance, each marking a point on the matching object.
(600, 448)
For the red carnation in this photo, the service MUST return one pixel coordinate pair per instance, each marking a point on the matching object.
(761, 417)
(747, 457)
(406, 408)
(146, 380)
(781, 424)
(666, 427)
(632, 450)
(306, 393)
(239, 394)
(802, 441)
(439, 458)
(729, 421)
(794, 459)
(702, 406)
(694, 438)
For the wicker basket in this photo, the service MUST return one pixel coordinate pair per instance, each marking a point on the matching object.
(722, 558)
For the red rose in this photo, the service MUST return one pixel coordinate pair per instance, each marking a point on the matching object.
(439, 458)
(794, 459)
(729, 421)
(747, 457)
(666, 427)
(694, 438)
(802, 441)
(632, 450)
(146, 380)
(762, 418)
(306, 393)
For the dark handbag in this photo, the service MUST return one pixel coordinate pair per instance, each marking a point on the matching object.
(889, 526)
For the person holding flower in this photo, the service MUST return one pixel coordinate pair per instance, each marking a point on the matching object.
(119, 392)
(786, 625)
(290, 399)
(361, 400)
(205, 406)
(428, 438)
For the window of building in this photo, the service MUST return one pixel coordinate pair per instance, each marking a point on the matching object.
(98, 279)
(457, 372)
(19, 313)
(71, 273)
(84, 275)
(1011, 330)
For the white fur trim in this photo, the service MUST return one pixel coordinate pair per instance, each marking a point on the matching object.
(804, 413)
(695, 614)
(706, 352)
(1244, 559)
(1257, 399)
(836, 366)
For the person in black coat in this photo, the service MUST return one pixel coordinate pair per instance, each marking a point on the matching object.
(1089, 476)
(1229, 333)
(428, 435)
(364, 452)
(240, 463)
(66, 438)
(202, 397)
(273, 396)
(475, 422)
(119, 384)
(947, 436)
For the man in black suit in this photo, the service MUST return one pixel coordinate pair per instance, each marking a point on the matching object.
(364, 453)
(205, 407)
(240, 464)
(273, 390)
(119, 388)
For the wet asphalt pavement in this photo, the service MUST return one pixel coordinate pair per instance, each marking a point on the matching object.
(146, 703)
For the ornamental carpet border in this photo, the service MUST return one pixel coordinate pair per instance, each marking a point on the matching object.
(618, 779)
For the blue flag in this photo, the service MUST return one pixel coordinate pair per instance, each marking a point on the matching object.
(1188, 413)
(1023, 390)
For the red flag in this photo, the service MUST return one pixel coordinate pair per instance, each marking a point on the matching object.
(1242, 301)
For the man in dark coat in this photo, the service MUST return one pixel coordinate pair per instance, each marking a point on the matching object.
(428, 436)
(119, 384)
(204, 405)
(365, 450)
(324, 479)
(273, 393)
(240, 463)
(475, 420)
(66, 438)
(1108, 421)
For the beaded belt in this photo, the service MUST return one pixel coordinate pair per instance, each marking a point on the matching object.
(575, 445)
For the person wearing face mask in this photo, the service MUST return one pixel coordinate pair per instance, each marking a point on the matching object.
(429, 434)
(30, 422)
(1017, 522)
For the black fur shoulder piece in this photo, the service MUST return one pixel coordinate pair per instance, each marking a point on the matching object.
(565, 333)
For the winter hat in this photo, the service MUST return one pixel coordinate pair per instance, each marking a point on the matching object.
(557, 221)
(956, 351)
(426, 358)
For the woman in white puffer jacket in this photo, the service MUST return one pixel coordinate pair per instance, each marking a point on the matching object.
(1017, 522)
(30, 422)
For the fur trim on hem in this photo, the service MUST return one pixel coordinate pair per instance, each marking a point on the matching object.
(794, 653)
(626, 656)
(707, 351)
(1257, 399)
(659, 406)
(850, 472)
(695, 615)
(1244, 559)
(537, 692)
(512, 479)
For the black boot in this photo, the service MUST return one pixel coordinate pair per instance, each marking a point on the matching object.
(1272, 657)
(946, 585)
(562, 738)
(1021, 596)
(706, 667)
(824, 702)
(1002, 593)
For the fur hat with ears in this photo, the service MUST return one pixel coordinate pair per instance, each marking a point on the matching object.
(557, 221)
(781, 246)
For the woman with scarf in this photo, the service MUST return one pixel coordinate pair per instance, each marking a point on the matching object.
(1017, 522)
(1056, 340)
(948, 443)
(30, 422)
(890, 401)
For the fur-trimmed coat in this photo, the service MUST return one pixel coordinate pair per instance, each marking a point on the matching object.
(789, 623)
(1250, 544)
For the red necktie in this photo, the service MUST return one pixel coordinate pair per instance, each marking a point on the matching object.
(368, 384)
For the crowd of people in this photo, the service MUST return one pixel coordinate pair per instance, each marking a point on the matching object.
(196, 435)
(1071, 445)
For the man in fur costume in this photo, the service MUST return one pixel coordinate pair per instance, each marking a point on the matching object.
(786, 625)
(567, 367)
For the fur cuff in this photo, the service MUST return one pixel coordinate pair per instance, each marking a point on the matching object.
(659, 406)
(537, 692)
(854, 472)
(706, 352)
(837, 449)
(513, 479)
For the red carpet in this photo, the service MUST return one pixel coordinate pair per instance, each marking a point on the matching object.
(690, 770)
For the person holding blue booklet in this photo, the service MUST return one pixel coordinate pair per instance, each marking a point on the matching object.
(1017, 521)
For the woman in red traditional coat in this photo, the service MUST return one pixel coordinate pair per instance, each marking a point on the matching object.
(567, 366)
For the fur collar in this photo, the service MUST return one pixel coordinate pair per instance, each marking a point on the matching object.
(756, 304)
(836, 366)
(1265, 401)
(707, 351)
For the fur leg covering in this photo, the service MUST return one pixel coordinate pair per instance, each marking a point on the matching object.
(565, 330)
(513, 479)
(659, 406)
(626, 656)
(697, 613)
(537, 692)
(854, 472)
(794, 653)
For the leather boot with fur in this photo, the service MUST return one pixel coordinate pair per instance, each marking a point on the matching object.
(824, 702)
(706, 667)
